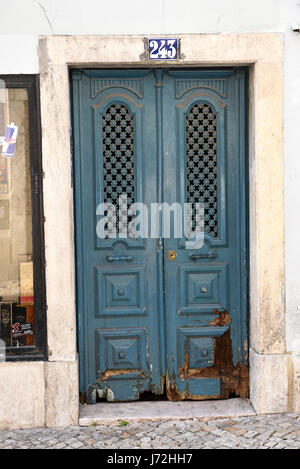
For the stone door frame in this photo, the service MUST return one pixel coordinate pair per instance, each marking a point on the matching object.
(263, 54)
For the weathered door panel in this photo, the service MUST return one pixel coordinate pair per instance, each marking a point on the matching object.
(204, 153)
(119, 322)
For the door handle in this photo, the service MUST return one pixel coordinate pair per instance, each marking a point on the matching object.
(119, 258)
(208, 255)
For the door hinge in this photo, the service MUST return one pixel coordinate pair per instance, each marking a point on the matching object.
(35, 183)
(159, 245)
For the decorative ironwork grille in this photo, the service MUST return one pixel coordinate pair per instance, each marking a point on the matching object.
(201, 164)
(118, 160)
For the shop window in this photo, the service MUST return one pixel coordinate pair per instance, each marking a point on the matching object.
(22, 286)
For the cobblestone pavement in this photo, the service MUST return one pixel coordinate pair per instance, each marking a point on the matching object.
(264, 432)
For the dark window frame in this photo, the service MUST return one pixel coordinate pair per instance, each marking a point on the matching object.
(39, 350)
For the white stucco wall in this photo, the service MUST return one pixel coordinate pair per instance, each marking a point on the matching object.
(22, 21)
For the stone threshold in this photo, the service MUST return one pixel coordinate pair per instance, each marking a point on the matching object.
(138, 411)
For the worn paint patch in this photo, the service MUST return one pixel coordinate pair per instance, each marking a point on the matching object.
(107, 374)
(222, 320)
(83, 397)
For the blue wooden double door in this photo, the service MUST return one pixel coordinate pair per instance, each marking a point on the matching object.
(161, 311)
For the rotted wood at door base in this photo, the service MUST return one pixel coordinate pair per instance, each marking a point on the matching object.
(234, 379)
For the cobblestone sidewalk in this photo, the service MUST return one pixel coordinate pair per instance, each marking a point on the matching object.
(271, 431)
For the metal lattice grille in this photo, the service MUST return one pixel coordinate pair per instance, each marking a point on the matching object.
(201, 164)
(118, 159)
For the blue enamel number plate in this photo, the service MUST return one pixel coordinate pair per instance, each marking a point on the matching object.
(163, 49)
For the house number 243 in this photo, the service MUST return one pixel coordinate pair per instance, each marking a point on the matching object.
(163, 49)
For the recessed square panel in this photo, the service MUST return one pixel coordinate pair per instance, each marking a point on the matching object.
(200, 351)
(120, 349)
(202, 289)
(121, 291)
(195, 345)
(123, 353)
